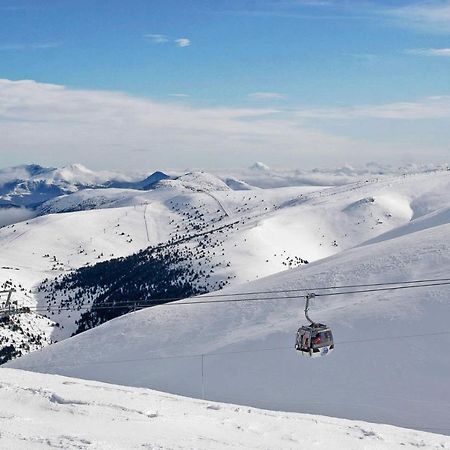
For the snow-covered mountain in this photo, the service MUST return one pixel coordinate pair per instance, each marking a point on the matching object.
(262, 176)
(71, 413)
(388, 365)
(32, 185)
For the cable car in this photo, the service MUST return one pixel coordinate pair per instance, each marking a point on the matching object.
(315, 339)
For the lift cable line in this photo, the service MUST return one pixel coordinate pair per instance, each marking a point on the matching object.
(235, 352)
(203, 356)
(378, 287)
(307, 289)
(169, 302)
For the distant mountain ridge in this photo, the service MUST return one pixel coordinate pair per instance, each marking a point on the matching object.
(32, 185)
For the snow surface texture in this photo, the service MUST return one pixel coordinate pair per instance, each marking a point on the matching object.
(391, 360)
(48, 411)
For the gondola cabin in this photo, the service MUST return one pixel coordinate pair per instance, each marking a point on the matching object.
(314, 340)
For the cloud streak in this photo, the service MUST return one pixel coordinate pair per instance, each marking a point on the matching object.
(432, 15)
(164, 39)
(437, 107)
(157, 38)
(425, 15)
(442, 52)
(30, 46)
(266, 96)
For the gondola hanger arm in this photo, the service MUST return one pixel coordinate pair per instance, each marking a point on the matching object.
(308, 297)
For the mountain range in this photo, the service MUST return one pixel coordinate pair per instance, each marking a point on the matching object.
(193, 234)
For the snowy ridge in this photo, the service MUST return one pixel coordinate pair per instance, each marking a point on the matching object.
(70, 413)
(32, 185)
(261, 176)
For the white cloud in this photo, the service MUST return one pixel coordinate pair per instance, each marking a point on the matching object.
(179, 95)
(265, 96)
(157, 38)
(182, 42)
(437, 107)
(54, 125)
(444, 52)
(164, 39)
(431, 15)
(30, 46)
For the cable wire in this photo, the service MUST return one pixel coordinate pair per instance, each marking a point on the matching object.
(281, 291)
(234, 352)
(168, 302)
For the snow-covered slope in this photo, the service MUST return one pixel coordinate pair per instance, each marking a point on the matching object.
(388, 228)
(390, 364)
(275, 229)
(31, 185)
(42, 411)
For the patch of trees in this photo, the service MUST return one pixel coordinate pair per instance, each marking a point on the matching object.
(20, 339)
(112, 288)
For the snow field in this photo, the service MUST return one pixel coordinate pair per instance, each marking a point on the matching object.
(388, 229)
(41, 411)
(388, 365)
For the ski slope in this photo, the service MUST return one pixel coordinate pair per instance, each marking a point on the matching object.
(384, 229)
(377, 373)
(42, 411)
(95, 225)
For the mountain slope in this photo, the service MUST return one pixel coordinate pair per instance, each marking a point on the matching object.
(370, 376)
(251, 234)
(31, 185)
(70, 413)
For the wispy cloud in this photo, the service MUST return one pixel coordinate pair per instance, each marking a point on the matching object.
(266, 96)
(437, 107)
(183, 42)
(16, 8)
(290, 3)
(319, 10)
(425, 15)
(164, 39)
(443, 52)
(30, 46)
(157, 38)
(431, 15)
(179, 95)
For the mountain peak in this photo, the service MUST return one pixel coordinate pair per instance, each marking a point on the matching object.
(259, 166)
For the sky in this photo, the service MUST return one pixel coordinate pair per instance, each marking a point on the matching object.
(224, 83)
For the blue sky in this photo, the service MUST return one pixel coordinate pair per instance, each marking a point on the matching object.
(296, 60)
